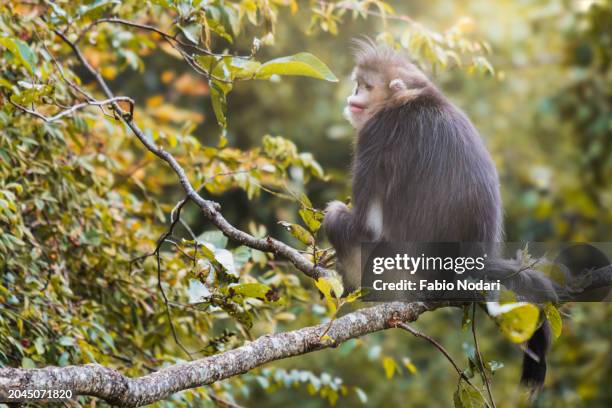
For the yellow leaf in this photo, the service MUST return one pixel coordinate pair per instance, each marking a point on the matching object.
(325, 287)
(353, 296)
(554, 319)
(409, 365)
(336, 285)
(519, 323)
(108, 72)
(390, 367)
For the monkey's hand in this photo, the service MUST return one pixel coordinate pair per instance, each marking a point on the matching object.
(337, 224)
(334, 208)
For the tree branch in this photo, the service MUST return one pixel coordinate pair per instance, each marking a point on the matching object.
(210, 209)
(115, 388)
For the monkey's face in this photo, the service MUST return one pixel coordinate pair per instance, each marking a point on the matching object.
(360, 105)
(371, 93)
(383, 79)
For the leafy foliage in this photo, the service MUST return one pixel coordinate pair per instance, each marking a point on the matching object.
(83, 204)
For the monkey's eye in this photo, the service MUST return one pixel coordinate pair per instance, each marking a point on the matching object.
(368, 87)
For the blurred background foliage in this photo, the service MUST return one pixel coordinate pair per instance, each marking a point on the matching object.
(81, 201)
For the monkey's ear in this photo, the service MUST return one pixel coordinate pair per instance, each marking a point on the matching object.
(397, 85)
(401, 93)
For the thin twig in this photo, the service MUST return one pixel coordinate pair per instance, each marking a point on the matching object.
(221, 403)
(479, 356)
(437, 345)
(175, 43)
(175, 215)
(131, 362)
(74, 108)
(198, 68)
(59, 68)
(350, 7)
(169, 37)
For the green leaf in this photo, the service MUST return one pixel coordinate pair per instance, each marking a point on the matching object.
(259, 257)
(190, 32)
(108, 339)
(39, 343)
(21, 51)
(253, 290)
(495, 365)
(483, 65)
(311, 218)
(13, 239)
(208, 62)
(27, 363)
(208, 252)
(307, 160)
(64, 359)
(304, 200)
(302, 64)
(27, 55)
(242, 68)
(554, 319)
(66, 341)
(297, 231)
(242, 254)
(219, 102)
(91, 237)
(95, 8)
(197, 291)
(213, 237)
(467, 397)
(219, 29)
(225, 259)
(58, 11)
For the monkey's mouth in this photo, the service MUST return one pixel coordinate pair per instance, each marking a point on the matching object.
(356, 108)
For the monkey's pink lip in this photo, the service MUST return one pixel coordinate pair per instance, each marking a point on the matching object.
(355, 108)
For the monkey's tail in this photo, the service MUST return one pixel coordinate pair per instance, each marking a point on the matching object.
(527, 283)
(534, 371)
(533, 286)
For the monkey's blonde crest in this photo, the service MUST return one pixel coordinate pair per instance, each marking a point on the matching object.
(368, 53)
(403, 79)
(360, 43)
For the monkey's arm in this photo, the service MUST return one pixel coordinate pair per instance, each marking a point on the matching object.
(340, 227)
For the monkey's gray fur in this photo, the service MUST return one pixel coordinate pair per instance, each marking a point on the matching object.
(421, 173)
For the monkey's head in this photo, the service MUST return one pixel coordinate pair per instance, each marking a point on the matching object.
(383, 78)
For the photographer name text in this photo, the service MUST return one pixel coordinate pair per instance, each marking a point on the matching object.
(437, 285)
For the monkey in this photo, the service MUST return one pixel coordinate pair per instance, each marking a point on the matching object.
(420, 173)
(420, 170)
